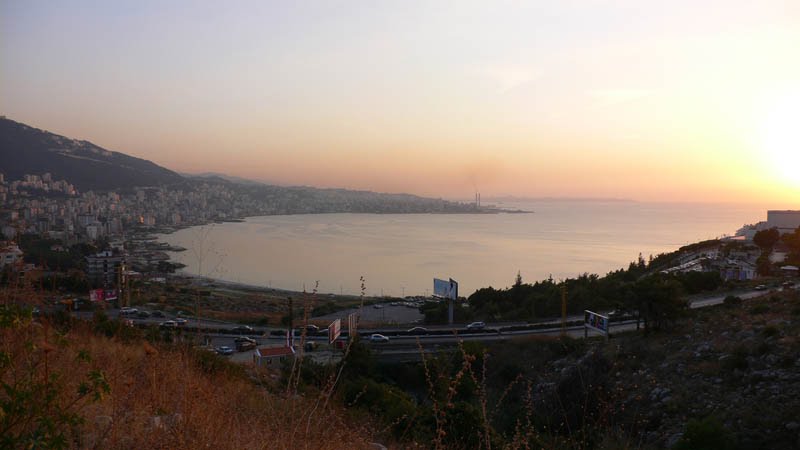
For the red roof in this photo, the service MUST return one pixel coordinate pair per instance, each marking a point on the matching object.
(275, 351)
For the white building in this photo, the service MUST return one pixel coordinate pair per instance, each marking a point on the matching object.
(785, 221)
(9, 254)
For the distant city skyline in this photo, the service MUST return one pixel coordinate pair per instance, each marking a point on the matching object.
(639, 100)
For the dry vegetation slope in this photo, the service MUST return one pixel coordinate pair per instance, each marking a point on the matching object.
(736, 364)
(75, 388)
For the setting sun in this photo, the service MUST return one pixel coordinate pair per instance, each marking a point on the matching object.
(779, 136)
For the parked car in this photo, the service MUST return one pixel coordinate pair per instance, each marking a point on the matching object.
(143, 314)
(242, 329)
(169, 324)
(476, 326)
(245, 343)
(761, 287)
(180, 321)
(157, 314)
(378, 338)
(224, 350)
(377, 306)
(311, 330)
(126, 311)
(418, 330)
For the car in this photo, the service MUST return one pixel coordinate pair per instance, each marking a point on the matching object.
(377, 306)
(476, 326)
(418, 330)
(157, 314)
(245, 343)
(310, 330)
(378, 338)
(181, 322)
(128, 311)
(224, 350)
(169, 324)
(143, 314)
(242, 329)
(760, 287)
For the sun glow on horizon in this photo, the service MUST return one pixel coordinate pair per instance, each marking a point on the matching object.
(779, 136)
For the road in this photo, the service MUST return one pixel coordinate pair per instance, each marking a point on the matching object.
(400, 346)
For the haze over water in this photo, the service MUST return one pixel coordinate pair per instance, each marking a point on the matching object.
(401, 253)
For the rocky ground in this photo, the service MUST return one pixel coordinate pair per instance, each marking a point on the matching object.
(731, 371)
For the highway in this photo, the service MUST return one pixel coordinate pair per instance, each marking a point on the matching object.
(402, 346)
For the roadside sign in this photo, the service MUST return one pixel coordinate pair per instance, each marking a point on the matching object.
(594, 321)
(334, 330)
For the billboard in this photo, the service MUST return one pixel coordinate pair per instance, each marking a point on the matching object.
(445, 288)
(96, 295)
(595, 321)
(99, 295)
(334, 330)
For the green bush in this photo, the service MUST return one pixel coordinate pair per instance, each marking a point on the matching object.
(732, 300)
(737, 360)
(706, 434)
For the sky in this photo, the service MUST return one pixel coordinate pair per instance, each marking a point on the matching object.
(665, 101)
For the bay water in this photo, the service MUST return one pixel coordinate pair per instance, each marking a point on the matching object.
(400, 254)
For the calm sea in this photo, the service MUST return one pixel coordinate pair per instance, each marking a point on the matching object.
(401, 254)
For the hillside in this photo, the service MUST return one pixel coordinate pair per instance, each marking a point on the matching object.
(29, 150)
(68, 384)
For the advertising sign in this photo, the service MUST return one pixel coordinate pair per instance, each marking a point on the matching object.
(96, 295)
(445, 288)
(595, 321)
(334, 330)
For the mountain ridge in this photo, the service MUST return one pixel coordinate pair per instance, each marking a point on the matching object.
(28, 150)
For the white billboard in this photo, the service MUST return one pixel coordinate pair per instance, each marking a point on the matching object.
(595, 321)
(334, 330)
(445, 288)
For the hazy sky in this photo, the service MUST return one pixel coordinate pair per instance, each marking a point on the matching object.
(678, 100)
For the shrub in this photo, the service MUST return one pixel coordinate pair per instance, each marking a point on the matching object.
(732, 300)
(770, 331)
(706, 434)
(737, 360)
(759, 309)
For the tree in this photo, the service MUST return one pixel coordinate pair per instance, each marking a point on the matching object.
(659, 301)
(518, 280)
(792, 240)
(767, 238)
(763, 265)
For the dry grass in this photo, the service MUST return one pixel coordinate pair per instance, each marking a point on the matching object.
(160, 397)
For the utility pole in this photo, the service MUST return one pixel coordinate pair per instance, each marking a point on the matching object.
(564, 309)
(291, 314)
